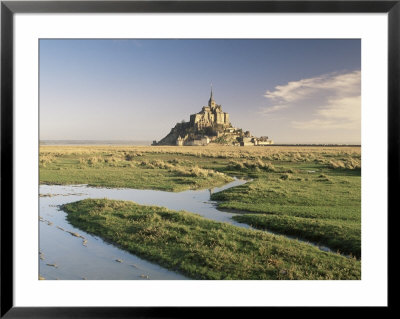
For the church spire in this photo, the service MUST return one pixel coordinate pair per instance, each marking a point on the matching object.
(211, 101)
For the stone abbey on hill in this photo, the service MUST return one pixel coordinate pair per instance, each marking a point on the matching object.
(210, 125)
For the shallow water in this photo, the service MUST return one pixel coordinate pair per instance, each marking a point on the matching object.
(67, 252)
(63, 255)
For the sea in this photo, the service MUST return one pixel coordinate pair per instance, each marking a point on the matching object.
(95, 142)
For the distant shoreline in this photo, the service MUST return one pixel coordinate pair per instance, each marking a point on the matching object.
(331, 145)
(94, 142)
(148, 143)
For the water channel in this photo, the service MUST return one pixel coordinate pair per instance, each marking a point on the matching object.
(63, 255)
(67, 252)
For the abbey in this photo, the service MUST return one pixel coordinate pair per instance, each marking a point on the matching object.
(211, 124)
(210, 116)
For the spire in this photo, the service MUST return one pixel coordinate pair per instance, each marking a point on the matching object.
(211, 101)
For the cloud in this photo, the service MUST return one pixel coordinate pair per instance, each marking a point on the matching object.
(274, 108)
(343, 113)
(334, 98)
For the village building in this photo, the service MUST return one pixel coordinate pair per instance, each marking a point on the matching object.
(203, 141)
(179, 141)
(264, 140)
(246, 141)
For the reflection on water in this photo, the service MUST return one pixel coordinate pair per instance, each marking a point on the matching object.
(69, 253)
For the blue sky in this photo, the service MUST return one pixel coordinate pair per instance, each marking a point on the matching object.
(294, 91)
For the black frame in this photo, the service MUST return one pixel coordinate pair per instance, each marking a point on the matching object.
(8, 8)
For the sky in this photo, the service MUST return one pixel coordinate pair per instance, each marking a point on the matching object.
(292, 90)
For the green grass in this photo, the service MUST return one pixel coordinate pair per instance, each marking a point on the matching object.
(323, 206)
(149, 172)
(313, 193)
(204, 249)
(343, 237)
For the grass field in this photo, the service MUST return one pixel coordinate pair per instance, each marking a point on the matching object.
(204, 249)
(125, 167)
(304, 199)
(313, 193)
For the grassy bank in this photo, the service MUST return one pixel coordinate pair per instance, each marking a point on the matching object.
(340, 236)
(307, 200)
(204, 249)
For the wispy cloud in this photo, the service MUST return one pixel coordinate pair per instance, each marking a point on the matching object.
(271, 109)
(335, 98)
(342, 113)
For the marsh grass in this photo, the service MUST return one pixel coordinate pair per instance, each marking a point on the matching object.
(204, 249)
(121, 167)
(275, 153)
(339, 236)
(322, 207)
(319, 187)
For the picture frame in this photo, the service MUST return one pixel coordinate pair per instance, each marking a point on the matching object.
(9, 8)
